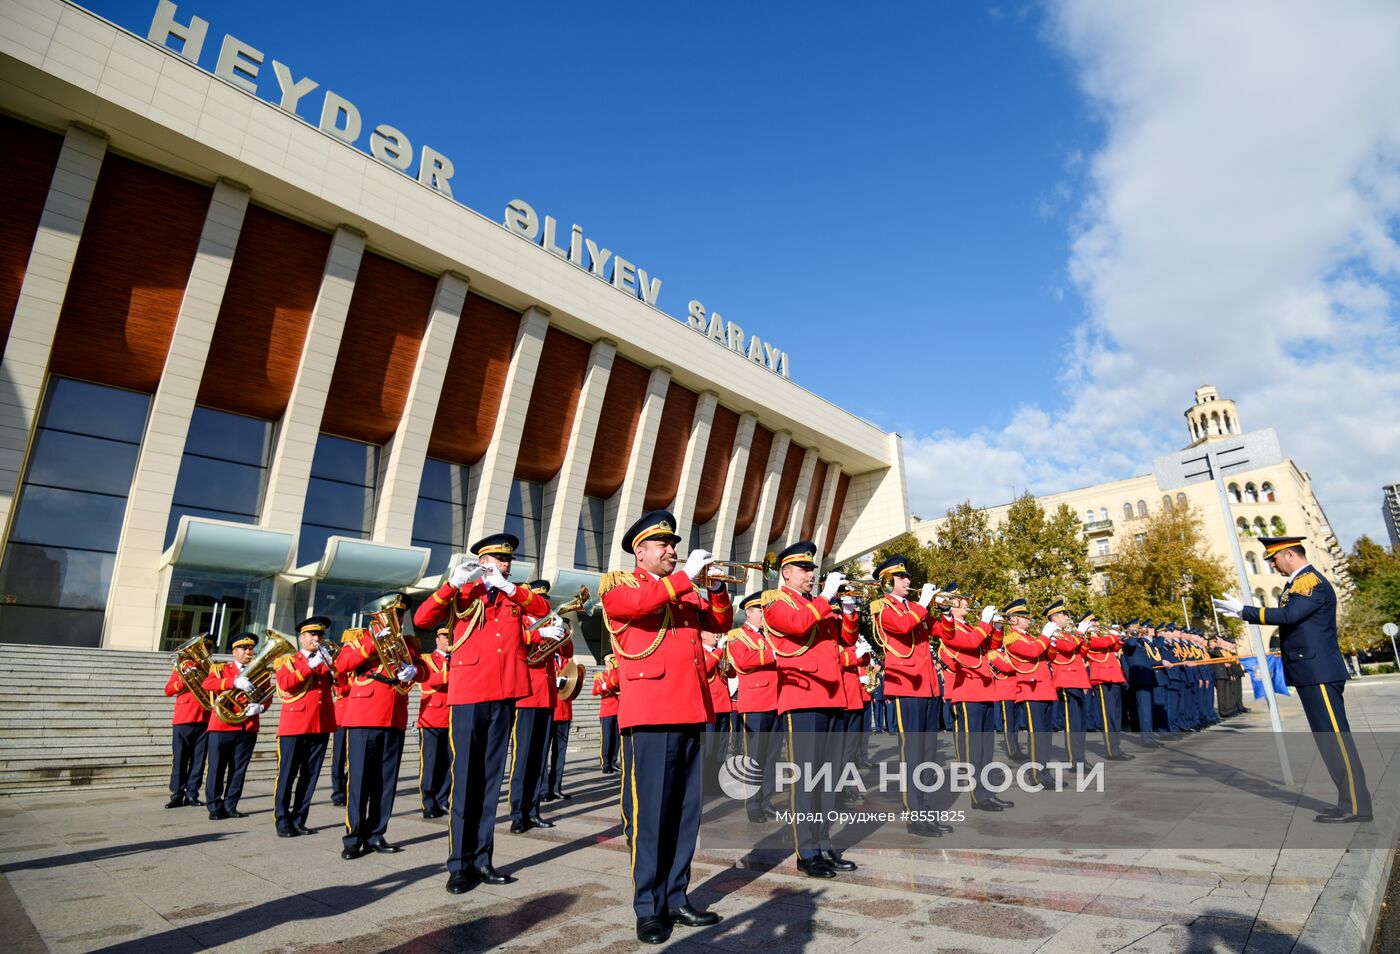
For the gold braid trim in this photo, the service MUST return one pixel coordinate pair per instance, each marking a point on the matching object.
(472, 616)
(622, 578)
(282, 662)
(878, 631)
(743, 637)
(1304, 584)
(774, 596)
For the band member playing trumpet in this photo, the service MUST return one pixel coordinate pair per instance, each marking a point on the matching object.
(377, 718)
(1070, 677)
(1107, 681)
(305, 687)
(230, 743)
(341, 690)
(717, 673)
(605, 687)
(752, 657)
(971, 688)
(903, 628)
(1028, 654)
(189, 732)
(434, 752)
(654, 615)
(486, 675)
(560, 725)
(529, 732)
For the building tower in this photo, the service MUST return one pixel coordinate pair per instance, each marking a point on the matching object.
(1211, 418)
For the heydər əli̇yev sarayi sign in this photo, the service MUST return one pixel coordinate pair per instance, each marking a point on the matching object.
(240, 65)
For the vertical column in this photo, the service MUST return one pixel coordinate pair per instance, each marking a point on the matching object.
(800, 493)
(287, 477)
(564, 494)
(768, 499)
(828, 500)
(498, 464)
(133, 611)
(627, 504)
(689, 486)
(40, 302)
(401, 471)
(734, 485)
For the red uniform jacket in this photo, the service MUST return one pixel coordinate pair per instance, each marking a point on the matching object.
(851, 662)
(187, 708)
(757, 668)
(488, 641)
(964, 649)
(1067, 662)
(1104, 664)
(377, 699)
(1005, 682)
(655, 626)
(221, 676)
(806, 636)
(902, 625)
(605, 687)
(307, 697)
(717, 677)
(563, 708)
(432, 696)
(1027, 653)
(342, 698)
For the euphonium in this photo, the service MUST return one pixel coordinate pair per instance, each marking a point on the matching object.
(191, 661)
(582, 603)
(389, 643)
(231, 705)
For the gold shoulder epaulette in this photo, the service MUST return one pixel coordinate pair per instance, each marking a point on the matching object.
(774, 596)
(353, 636)
(616, 578)
(877, 606)
(216, 668)
(1305, 584)
(283, 661)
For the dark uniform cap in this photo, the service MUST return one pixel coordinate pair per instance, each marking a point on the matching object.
(653, 525)
(1056, 606)
(1087, 617)
(540, 586)
(803, 553)
(950, 590)
(497, 545)
(314, 624)
(1276, 545)
(894, 566)
(1016, 608)
(753, 599)
(244, 639)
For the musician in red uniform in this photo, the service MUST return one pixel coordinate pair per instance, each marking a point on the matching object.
(853, 654)
(376, 716)
(654, 615)
(305, 687)
(971, 688)
(1107, 681)
(486, 675)
(902, 626)
(230, 743)
(717, 673)
(1027, 653)
(1068, 672)
(806, 637)
(189, 731)
(559, 726)
(1007, 716)
(605, 687)
(529, 731)
(752, 657)
(340, 688)
(434, 747)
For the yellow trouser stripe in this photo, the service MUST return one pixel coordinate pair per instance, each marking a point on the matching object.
(451, 747)
(1069, 732)
(633, 787)
(1103, 707)
(899, 720)
(514, 751)
(1341, 742)
(792, 792)
(1030, 725)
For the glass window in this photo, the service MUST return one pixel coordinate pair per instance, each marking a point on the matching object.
(77, 462)
(1127, 511)
(219, 485)
(340, 494)
(226, 436)
(53, 576)
(224, 469)
(1181, 501)
(68, 518)
(1101, 546)
(1103, 514)
(525, 517)
(1142, 508)
(445, 496)
(1166, 502)
(590, 551)
(344, 460)
(333, 504)
(95, 410)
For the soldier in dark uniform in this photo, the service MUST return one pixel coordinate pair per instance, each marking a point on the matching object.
(1139, 658)
(1306, 618)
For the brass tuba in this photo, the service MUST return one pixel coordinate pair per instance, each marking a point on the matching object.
(537, 654)
(231, 705)
(191, 661)
(393, 650)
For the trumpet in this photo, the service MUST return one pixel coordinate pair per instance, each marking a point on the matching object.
(722, 571)
(864, 589)
(329, 649)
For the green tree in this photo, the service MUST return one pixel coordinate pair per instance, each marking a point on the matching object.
(967, 552)
(1044, 556)
(1375, 570)
(1151, 576)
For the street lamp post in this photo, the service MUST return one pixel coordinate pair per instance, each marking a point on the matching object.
(1390, 629)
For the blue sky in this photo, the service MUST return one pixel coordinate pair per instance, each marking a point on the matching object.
(953, 216)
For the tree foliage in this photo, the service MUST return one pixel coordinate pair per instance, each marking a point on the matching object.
(1169, 562)
(1376, 572)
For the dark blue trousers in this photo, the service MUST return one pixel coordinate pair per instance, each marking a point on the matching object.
(1106, 699)
(813, 744)
(529, 737)
(1142, 707)
(916, 719)
(338, 765)
(229, 755)
(975, 731)
(715, 749)
(479, 735)
(1327, 717)
(852, 739)
(1008, 718)
(1072, 705)
(299, 759)
(664, 791)
(558, 749)
(187, 750)
(373, 756)
(1160, 721)
(1039, 719)
(608, 739)
(761, 745)
(434, 769)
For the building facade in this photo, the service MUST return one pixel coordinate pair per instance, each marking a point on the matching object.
(252, 373)
(1390, 512)
(1267, 501)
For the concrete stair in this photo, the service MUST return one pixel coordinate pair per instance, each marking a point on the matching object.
(98, 718)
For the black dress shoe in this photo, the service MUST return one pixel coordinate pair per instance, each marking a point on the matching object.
(283, 833)
(987, 805)
(536, 821)
(235, 813)
(835, 862)
(193, 801)
(176, 801)
(338, 802)
(519, 827)
(653, 930)
(690, 917)
(1347, 819)
(1120, 757)
(758, 818)
(384, 848)
(940, 828)
(549, 797)
(459, 882)
(303, 830)
(218, 815)
(489, 875)
(922, 829)
(1003, 802)
(563, 795)
(350, 854)
(815, 868)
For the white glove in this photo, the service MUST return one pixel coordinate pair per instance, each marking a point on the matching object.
(720, 643)
(407, 673)
(314, 659)
(1228, 605)
(497, 581)
(242, 682)
(848, 604)
(559, 682)
(325, 655)
(466, 573)
(1083, 626)
(697, 561)
(551, 633)
(254, 709)
(989, 614)
(927, 594)
(834, 579)
(1049, 630)
(862, 647)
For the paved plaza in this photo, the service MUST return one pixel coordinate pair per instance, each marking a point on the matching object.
(98, 870)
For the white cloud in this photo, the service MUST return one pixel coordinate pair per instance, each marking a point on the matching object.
(1238, 226)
